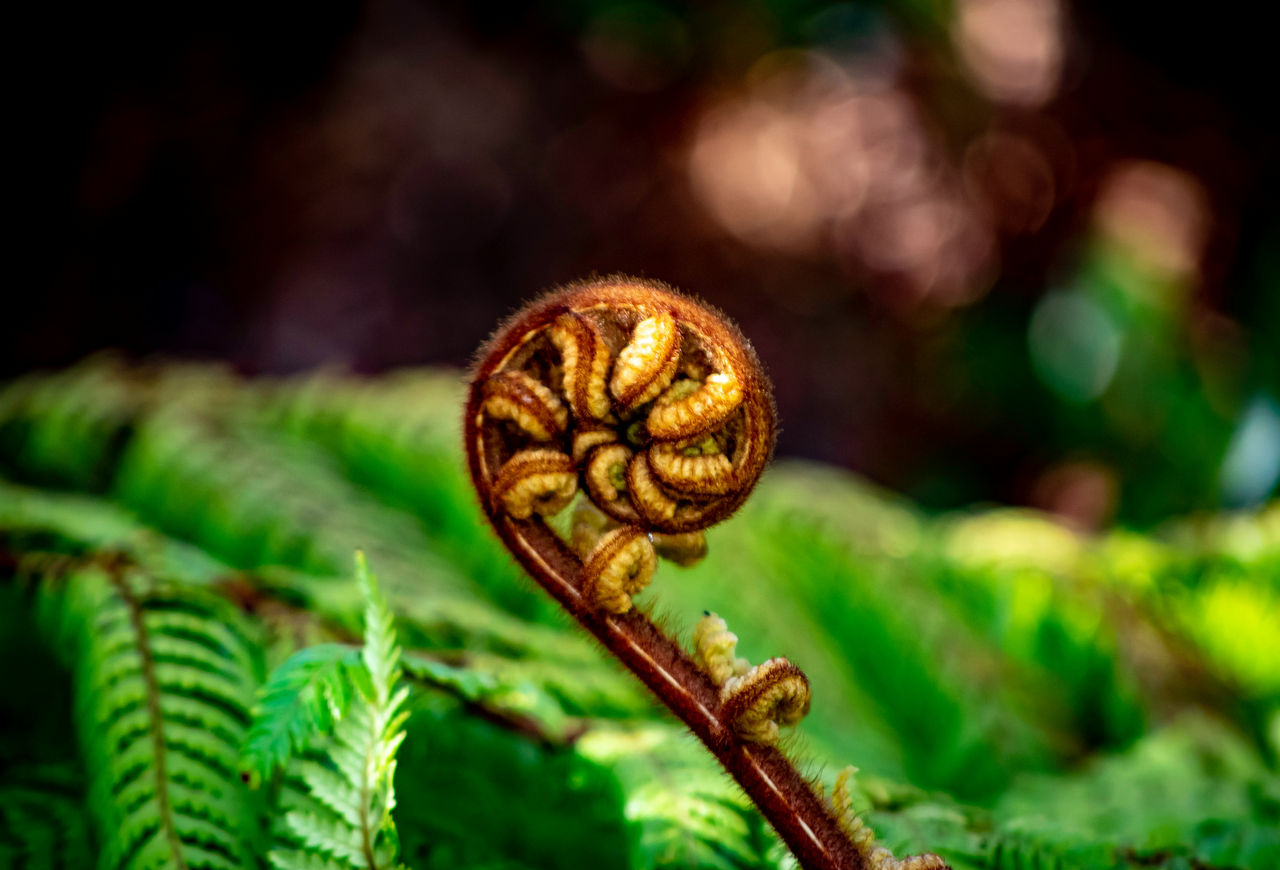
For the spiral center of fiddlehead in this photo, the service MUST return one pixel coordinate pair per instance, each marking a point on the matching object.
(650, 405)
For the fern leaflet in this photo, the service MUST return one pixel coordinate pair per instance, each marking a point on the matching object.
(302, 699)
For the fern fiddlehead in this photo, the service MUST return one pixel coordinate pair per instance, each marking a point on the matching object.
(654, 412)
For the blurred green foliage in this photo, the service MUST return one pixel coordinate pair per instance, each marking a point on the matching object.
(1015, 695)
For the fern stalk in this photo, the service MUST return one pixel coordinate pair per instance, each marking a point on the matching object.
(801, 817)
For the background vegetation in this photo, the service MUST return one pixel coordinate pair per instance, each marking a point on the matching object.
(1015, 694)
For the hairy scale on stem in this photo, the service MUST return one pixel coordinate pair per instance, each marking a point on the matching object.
(652, 412)
(877, 857)
(756, 700)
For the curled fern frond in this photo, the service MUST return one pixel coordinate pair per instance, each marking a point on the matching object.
(673, 423)
(757, 699)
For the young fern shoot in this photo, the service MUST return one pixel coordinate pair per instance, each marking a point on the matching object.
(654, 413)
(356, 701)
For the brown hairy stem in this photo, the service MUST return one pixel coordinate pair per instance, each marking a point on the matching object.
(772, 783)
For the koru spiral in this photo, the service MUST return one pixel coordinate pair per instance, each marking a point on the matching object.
(651, 405)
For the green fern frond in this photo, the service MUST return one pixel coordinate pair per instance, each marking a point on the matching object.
(163, 693)
(348, 823)
(255, 498)
(300, 701)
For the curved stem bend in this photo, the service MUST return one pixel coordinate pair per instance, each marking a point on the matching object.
(773, 784)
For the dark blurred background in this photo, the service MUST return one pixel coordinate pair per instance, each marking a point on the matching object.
(1023, 251)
